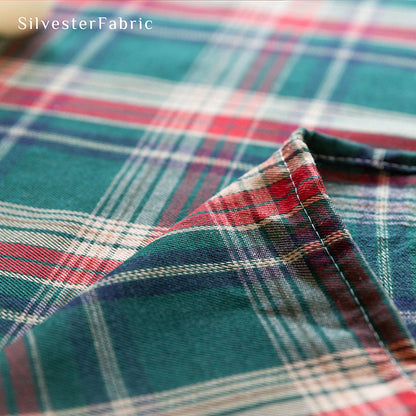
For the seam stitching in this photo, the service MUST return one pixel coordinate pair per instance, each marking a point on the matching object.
(350, 289)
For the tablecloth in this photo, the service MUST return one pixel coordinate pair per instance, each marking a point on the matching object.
(123, 291)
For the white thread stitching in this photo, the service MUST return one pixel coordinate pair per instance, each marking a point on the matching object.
(370, 161)
(350, 289)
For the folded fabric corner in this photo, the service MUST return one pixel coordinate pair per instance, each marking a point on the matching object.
(251, 304)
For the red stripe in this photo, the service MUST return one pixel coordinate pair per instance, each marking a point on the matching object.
(401, 404)
(221, 125)
(3, 409)
(285, 22)
(246, 215)
(187, 185)
(60, 261)
(21, 377)
(87, 263)
(265, 130)
(216, 175)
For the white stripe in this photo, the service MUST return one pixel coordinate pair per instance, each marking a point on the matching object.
(382, 235)
(33, 279)
(10, 315)
(40, 377)
(142, 151)
(343, 55)
(105, 354)
(142, 181)
(244, 390)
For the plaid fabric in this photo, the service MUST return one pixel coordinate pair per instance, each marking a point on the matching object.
(259, 302)
(373, 190)
(255, 302)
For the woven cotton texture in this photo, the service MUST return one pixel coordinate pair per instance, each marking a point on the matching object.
(161, 251)
(259, 302)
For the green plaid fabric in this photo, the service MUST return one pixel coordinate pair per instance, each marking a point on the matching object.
(162, 253)
(259, 302)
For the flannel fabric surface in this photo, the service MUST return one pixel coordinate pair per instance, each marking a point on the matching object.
(127, 287)
(258, 302)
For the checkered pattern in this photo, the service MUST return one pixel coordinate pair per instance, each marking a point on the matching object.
(259, 302)
(255, 302)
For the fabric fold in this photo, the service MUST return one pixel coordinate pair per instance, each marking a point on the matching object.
(258, 302)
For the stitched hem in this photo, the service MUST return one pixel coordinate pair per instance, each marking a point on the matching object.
(406, 374)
